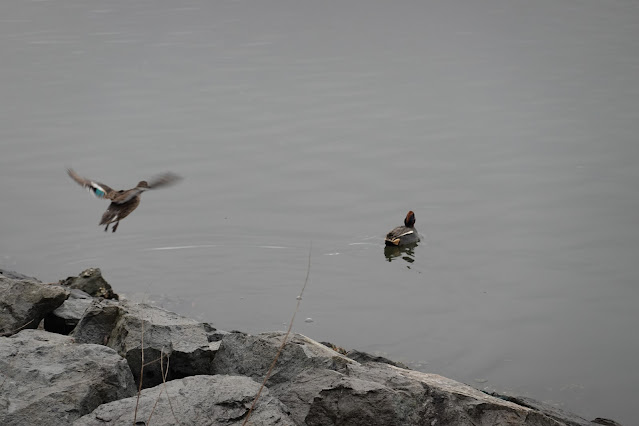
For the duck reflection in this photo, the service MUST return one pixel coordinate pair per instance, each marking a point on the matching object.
(406, 252)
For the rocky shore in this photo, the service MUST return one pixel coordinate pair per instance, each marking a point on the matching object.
(71, 353)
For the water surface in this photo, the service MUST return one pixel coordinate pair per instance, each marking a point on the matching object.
(510, 128)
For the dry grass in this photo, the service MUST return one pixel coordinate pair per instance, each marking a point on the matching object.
(12, 332)
(279, 351)
(164, 389)
(164, 375)
(137, 403)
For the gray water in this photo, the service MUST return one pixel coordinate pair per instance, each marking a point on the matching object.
(509, 127)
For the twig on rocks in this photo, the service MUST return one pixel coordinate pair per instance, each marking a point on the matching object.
(137, 402)
(11, 333)
(164, 389)
(161, 390)
(168, 360)
(153, 361)
(279, 351)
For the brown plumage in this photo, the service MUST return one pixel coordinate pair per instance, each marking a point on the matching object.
(403, 235)
(123, 202)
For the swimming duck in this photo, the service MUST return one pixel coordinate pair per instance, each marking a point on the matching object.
(123, 202)
(403, 235)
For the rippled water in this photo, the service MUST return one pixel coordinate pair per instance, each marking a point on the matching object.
(510, 128)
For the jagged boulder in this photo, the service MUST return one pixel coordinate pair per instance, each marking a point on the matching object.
(97, 322)
(91, 281)
(128, 327)
(185, 341)
(197, 400)
(25, 302)
(46, 379)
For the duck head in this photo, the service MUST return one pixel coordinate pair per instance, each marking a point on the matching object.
(142, 184)
(409, 221)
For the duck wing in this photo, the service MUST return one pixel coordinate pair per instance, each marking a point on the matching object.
(163, 180)
(98, 189)
(400, 231)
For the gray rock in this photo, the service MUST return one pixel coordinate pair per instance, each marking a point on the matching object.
(416, 398)
(64, 319)
(189, 344)
(567, 418)
(97, 322)
(251, 356)
(46, 379)
(184, 340)
(16, 275)
(605, 422)
(91, 281)
(322, 387)
(76, 293)
(197, 400)
(364, 357)
(24, 303)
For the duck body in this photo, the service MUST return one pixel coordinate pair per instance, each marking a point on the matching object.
(123, 202)
(403, 235)
(116, 212)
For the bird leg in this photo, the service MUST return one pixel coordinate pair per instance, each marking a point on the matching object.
(107, 227)
(115, 226)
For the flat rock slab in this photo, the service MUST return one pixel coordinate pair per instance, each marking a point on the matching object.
(197, 400)
(46, 379)
(24, 303)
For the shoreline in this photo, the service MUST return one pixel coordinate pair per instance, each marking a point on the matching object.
(91, 352)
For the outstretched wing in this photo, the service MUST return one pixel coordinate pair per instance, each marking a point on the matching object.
(163, 180)
(98, 189)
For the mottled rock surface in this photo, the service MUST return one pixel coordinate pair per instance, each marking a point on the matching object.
(24, 303)
(97, 322)
(364, 357)
(569, 419)
(127, 327)
(47, 379)
(91, 281)
(323, 387)
(197, 400)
